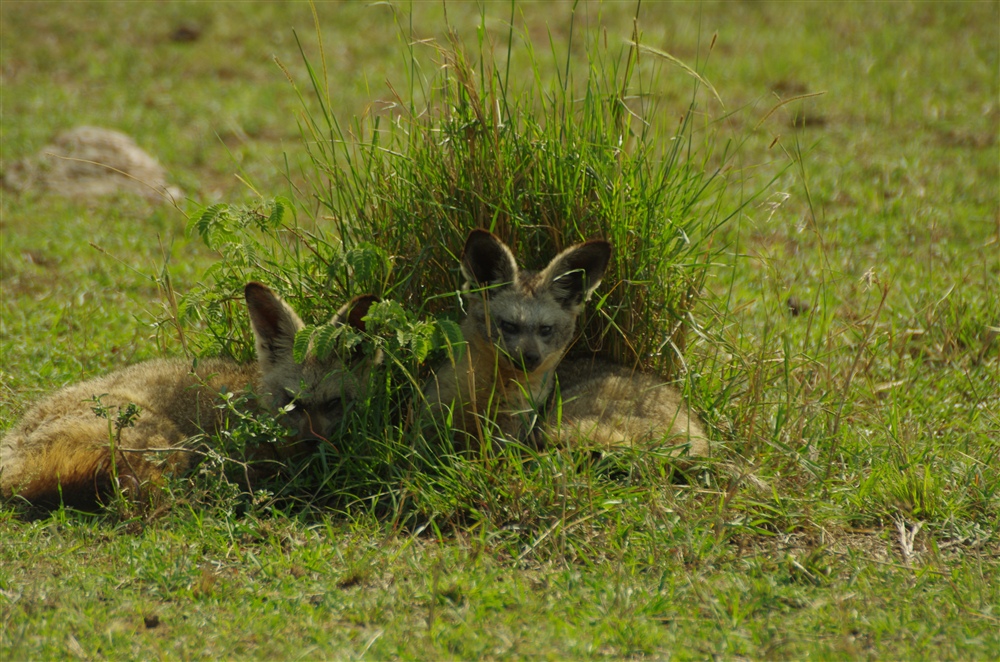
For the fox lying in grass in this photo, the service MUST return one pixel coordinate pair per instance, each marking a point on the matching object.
(61, 451)
(518, 328)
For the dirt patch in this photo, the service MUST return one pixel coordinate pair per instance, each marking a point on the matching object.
(89, 162)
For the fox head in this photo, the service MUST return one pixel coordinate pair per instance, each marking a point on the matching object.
(318, 388)
(529, 316)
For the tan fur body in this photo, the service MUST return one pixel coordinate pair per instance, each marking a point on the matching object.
(61, 450)
(607, 405)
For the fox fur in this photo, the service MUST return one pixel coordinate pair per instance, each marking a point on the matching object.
(604, 405)
(517, 328)
(61, 451)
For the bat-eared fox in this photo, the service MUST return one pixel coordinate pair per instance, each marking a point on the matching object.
(518, 327)
(61, 451)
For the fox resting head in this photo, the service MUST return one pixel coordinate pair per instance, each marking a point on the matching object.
(319, 388)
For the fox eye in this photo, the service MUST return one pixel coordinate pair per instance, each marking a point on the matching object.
(545, 330)
(509, 328)
(330, 405)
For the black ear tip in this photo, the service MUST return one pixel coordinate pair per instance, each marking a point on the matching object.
(599, 252)
(479, 237)
(358, 308)
(360, 305)
(600, 247)
(255, 290)
(480, 232)
(593, 255)
(365, 300)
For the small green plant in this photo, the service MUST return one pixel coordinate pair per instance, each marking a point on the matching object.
(124, 497)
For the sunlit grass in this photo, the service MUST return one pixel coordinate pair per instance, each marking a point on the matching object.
(853, 509)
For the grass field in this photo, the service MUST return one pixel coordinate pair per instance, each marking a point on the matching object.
(860, 514)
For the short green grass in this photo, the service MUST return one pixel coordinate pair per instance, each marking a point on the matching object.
(859, 513)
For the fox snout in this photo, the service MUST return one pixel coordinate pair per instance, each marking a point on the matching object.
(525, 354)
(528, 360)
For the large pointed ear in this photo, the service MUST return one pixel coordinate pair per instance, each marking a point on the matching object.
(355, 310)
(274, 324)
(577, 271)
(487, 261)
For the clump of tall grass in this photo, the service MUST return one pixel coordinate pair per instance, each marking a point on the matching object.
(540, 164)
(544, 161)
